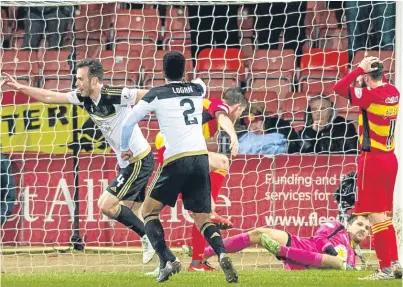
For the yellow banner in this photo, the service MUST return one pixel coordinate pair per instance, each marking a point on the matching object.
(45, 128)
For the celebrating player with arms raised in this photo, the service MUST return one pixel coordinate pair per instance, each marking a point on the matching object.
(332, 245)
(108, 106)
(377, 165)
(178, 107)
(216, 114)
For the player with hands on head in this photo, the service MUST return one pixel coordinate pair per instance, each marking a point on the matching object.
(377, 165)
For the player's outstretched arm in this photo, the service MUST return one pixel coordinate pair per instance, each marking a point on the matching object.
(228, 126)
(42, 95)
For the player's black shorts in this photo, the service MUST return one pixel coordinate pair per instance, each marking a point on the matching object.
(188, 175)
(131, 181)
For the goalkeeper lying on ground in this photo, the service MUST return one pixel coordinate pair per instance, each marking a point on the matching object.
(332, 245)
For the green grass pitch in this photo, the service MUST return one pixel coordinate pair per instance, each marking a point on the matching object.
(247, 278)
(123, 268)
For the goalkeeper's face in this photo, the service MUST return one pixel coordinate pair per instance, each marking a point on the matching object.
(359, 229)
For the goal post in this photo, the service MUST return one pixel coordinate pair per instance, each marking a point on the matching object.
(61, 162)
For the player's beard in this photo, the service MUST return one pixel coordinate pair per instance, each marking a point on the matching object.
(363, 84)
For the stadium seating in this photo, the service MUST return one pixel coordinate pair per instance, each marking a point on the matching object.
(23, 65)
(320, 69)
(220, 68)
(140, 28)
(89, 33)
(56, 69)
(176, 34)
(294, 108)
(272, 70)
(121, 68)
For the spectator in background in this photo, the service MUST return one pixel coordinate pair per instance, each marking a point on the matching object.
(325, 132)
(52, 21)
(213, 26)
(273, 18)
(360, 14)
(7, 195)
(267, 134)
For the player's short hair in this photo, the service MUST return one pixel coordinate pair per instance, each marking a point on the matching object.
(234, 96)
(354, 217)
(377, 74)
(95, 68)
(174, 65)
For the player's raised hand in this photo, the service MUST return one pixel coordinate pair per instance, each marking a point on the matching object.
(234, 145)
(366, 64)
(126, 155)
(10, 81)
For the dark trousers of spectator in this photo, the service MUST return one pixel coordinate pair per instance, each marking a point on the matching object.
(274, 18)
(360, 15)
(213, 26)
(53, 23)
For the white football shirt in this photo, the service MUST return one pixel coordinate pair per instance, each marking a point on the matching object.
(178, 107)
(108, 113)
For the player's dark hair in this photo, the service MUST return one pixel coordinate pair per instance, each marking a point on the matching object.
(354, 217)
(174, 65)
(234, 96)
(95, 68)
(377, 74)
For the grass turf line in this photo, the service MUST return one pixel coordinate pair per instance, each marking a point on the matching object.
(247, 278)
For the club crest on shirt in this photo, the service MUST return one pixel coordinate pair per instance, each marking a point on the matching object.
(358, 92)
(341, 251)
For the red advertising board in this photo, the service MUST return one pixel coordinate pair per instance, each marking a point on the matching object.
(292, 193)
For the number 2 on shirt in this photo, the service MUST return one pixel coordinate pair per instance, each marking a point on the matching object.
(186, 113)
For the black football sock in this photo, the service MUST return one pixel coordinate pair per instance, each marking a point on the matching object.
(156, 235)
(126, 216)
(213, 236)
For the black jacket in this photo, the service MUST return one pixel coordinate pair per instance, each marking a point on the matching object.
(339, 136)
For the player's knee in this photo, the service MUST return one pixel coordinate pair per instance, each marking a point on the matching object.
(225, 162)
(105, 209)
(256, 232)
(106, 206)
(375, 218)
(221, 162)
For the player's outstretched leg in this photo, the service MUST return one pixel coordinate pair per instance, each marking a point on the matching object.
(232, 244)
(303, 257)
(169, 264)
(243, 240)
(213, 237)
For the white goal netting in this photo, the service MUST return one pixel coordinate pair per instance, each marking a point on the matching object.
(285, 56)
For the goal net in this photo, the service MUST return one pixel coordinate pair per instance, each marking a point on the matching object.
(285, 57)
